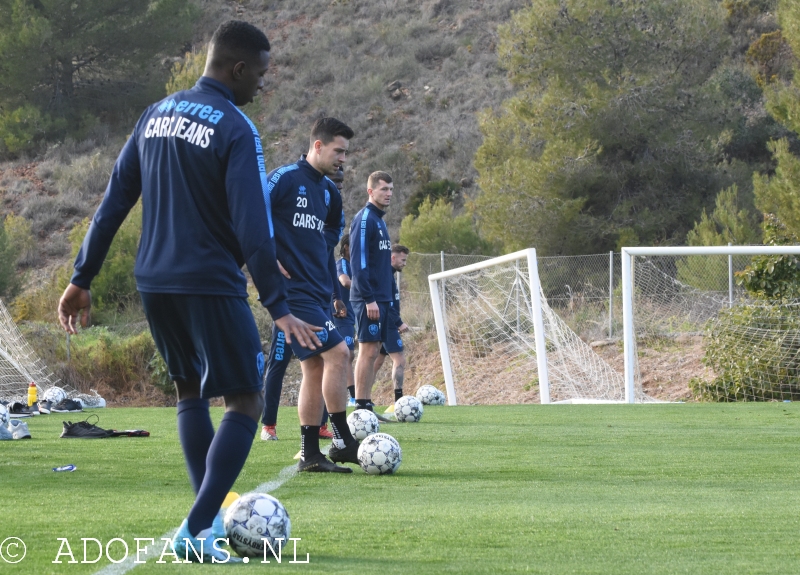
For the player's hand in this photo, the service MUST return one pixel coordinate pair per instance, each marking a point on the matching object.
(403, 328)
(373, 311)
(75, 304)
(283, 271)
(340, 310)
(304, 333)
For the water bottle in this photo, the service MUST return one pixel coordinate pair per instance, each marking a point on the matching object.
(31, 394)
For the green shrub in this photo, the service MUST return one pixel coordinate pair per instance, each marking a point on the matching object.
(755, 354)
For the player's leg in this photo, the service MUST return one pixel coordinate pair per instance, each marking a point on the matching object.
(232, 364)
(368, 352)
(348, 333)
(398, 372)
(173, 341)
(280, 355)
(379, 361)
(323, 372)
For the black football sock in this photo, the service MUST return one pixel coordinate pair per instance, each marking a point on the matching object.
(398, 393)
(309, 441)
(363, 404)
(352, 390)
(341, 431)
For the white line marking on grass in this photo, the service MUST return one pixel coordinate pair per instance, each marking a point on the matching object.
(129, 563)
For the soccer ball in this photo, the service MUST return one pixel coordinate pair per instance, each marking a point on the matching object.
(363, 422)
(3, 416)
(408, 409)
(429, 395)
(253, 518)
(55, 395)
(380, 454)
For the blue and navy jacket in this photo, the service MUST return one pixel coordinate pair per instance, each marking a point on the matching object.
(343, 267)
(197, 162)
(308, 220)
(371, 256)
(394, 318)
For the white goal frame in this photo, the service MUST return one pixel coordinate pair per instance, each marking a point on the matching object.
(629, 344)
(536, 305)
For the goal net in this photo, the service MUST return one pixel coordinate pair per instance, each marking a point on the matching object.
(20, 366)
(686, 324)
(502, 343)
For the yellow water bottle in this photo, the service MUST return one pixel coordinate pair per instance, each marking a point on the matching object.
(31, 394)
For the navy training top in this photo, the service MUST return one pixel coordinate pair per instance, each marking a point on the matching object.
(371, 256)
(197, 162)
(394, 318)
(343, 267)
(308, 219)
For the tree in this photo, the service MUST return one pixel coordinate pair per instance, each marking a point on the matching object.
(779, 193)
(624, 125)
(82, 60)
(437, 229)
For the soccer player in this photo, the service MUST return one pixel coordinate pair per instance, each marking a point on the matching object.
(308, 220)
(346, 324)
(393, 345)
(196, 161)
(280, 355)
(371, 289)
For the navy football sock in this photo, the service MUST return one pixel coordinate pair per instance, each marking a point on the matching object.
(226, 458)
(196, 433)
(352, 390)
(398, 393)
(363, 404)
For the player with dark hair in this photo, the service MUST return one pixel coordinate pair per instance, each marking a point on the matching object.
(346, 323)
(393, 345)
(280, 356)
(371, 290)
(197, 162)
(308, 220)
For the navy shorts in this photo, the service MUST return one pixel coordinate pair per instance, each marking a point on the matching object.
(347, 330)
(205, 338)
(313, 313)
(367, 329)
(393, 342)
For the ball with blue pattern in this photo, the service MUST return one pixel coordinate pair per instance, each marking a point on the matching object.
(380, 454)
(363, 423)
(254, 518)
(429, 395)
(408, 409)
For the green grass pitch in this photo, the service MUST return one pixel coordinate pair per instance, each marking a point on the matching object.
(693, 488)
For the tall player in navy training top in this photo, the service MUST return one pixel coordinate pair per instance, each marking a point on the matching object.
(196, 161)
(308, 220)
(371, 290)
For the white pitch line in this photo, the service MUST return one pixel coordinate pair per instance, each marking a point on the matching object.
(129, 563)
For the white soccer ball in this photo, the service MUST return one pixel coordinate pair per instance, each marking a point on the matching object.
(54, 394)
(408, 409)
(380, 454)
(3, 416)
(362, 422)
(429, 395)
(253, 518)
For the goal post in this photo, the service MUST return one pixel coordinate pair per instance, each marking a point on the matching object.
(629, 282)
(438, 298)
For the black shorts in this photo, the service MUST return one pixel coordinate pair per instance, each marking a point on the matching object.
(205, 338)
(313, 313)
(370, 330)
